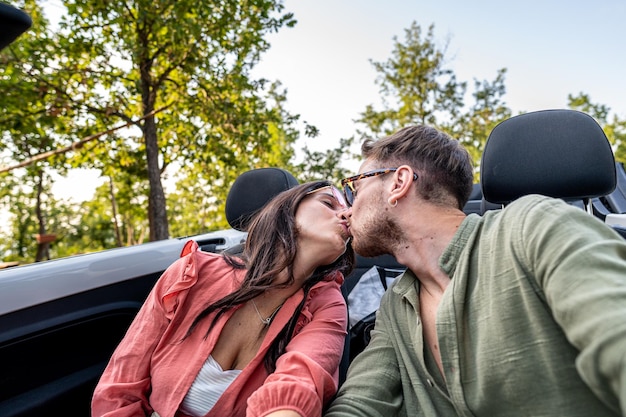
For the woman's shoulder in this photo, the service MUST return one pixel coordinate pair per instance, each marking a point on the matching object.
(212, 267)
(331, 282)
(327, 291)
(195, 273)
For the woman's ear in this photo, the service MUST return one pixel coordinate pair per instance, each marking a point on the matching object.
(402, 183)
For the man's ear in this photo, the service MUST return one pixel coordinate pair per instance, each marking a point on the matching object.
(401, 184)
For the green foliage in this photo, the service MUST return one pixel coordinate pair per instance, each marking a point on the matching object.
(615, 128)
(179, 73)
(114, 62)
(318, 165)
(119, 62)
(198, 203)
(415, 85)
(418, 87)
(33, 120)
(191, 55)
(18, 241)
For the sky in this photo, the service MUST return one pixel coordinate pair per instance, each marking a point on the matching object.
(551, 48)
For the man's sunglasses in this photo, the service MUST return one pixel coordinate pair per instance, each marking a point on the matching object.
(348, 183)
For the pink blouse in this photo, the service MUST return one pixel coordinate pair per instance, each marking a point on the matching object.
(153, 366)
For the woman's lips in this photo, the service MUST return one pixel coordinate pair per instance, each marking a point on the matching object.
(345, 228)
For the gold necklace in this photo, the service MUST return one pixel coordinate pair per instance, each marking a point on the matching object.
(268, 320)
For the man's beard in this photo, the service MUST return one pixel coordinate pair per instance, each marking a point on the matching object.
(379, 235)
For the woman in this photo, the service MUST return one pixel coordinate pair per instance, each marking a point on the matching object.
(262, 337)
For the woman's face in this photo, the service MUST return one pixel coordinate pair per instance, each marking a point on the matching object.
(322, 229)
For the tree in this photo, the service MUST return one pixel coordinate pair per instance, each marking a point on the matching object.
(198, 203)
(487, 110)
(318, 165)
(32, 122)
(120, 61)
(35, 216)
(178, 74)
(418, 87)
(415, 85)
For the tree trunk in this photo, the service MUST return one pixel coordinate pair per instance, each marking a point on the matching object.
(157, 210)
(43, 248)
(156, 206)
(116, 226)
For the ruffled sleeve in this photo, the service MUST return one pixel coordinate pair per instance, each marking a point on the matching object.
(306, 376)
(124, 386)
(187, 278)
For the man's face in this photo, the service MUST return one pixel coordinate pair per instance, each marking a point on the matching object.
(374, 230)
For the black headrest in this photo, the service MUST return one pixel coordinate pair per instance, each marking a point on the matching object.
(13, 22)
(558, 153)
(252, 190)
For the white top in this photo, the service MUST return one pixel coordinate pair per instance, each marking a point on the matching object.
(207, 388)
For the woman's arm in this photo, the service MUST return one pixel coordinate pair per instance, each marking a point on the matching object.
(124, 386)
(306, 375)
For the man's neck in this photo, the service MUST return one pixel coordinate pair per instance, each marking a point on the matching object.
(427, 237)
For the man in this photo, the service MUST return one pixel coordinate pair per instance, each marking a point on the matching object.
(520, 312)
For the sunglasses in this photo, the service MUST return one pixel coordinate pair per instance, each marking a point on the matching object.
(348, 183)
(338, 195)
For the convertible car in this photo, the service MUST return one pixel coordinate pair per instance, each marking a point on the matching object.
(60, 320)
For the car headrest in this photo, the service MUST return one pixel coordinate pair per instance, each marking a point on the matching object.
(13, 22)
(252, 190)
(558, 153)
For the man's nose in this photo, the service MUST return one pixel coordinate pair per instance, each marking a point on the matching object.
(345, 214)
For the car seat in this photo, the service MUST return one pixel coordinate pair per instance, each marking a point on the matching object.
(247, 195)
(558, 153)
(252, 190)
(616, 201)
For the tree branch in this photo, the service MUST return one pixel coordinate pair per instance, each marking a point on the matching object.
(79, 144)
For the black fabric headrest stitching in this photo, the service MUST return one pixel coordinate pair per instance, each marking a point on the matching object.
(252, 190)
(558, 153)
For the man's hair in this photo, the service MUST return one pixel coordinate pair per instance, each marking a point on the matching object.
(443, 165)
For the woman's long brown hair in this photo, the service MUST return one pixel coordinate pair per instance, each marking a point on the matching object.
(270, 249)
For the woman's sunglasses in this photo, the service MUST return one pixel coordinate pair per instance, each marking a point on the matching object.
(338, 195)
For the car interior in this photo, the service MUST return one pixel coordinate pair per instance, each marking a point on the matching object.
(559, 153)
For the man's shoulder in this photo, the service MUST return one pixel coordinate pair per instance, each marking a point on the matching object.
(536, 205)
(533, 200)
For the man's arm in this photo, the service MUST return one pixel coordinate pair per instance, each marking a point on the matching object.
(373, 386)
(580, 265)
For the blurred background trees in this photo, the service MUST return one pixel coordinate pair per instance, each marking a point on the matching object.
(177, 73)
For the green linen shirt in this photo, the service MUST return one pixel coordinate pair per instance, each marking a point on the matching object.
(533, 323)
